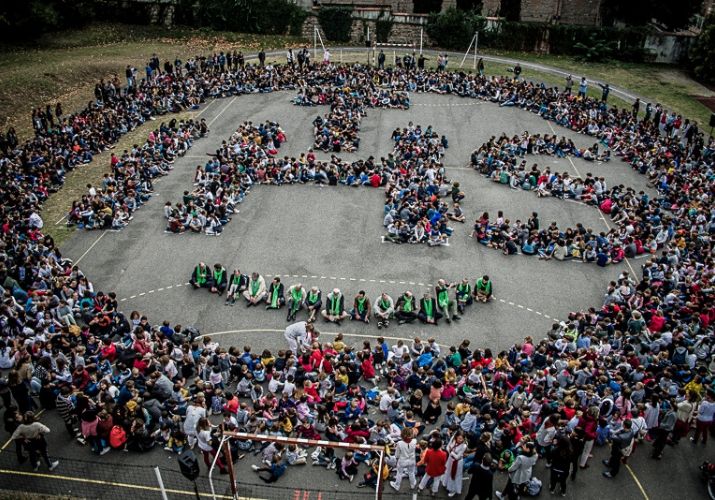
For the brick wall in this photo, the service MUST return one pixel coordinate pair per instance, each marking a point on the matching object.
(570, 11)
(539, 11)
(491, 7)
(581, 12)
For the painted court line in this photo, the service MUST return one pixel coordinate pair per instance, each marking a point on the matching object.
(90, 248)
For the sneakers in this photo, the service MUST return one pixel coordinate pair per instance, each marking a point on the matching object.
(386, 323)
(36, 467)
(379, 325)
(54, 464)
(81, 440)
(498, 494)
(254, 467)
(394, 486)
(108, 449)
(607, 474)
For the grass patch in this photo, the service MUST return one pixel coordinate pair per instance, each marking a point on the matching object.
(65, 66)
(58, 204)
(668, 85)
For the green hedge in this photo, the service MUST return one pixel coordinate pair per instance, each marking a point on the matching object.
(336, 23)
(383, 28)
(454, 29)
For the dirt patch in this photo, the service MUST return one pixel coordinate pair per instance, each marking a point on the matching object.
(708, 102)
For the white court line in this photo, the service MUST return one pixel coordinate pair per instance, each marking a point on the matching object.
(221, 112)
(90, 248)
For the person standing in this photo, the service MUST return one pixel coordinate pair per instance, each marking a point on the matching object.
(582, 87)
(452, 478)
(619, 441)
(435, 461)
(561, 457)
(482, 482)
(665, 427)
(262, 58)
(405, 456)
(381, 60)
(519, 472)
(704, 420)
(32, 433)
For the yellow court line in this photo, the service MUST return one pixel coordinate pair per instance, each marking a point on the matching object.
(116, 484)
(638, 483)
(10, 440)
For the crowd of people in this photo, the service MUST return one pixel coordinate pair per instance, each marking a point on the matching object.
(226, 178)
(641, 225)
(636, 368)
(349, 100)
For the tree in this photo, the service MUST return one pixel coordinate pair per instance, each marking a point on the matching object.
(453, 28)
(673, 15)
(702, 53)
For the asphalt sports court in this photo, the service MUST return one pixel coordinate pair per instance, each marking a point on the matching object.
(331, 237)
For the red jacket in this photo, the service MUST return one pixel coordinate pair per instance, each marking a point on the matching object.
(435, 462)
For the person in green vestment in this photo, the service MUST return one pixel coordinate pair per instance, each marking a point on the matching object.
(275, 298)
(218, 280)
(200, 276)
(314, 302)
(464, 295)
(429, 313)
(406, 308)
(256, 290)
(483, 289)
(237, 283)
(295, 300)
(334, 307)
(384, 309)
(361, 308)
(445, 304)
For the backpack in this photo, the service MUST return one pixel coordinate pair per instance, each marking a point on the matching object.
(117, 437)
(532, 488)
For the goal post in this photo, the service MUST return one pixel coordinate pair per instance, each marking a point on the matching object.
(244, 436)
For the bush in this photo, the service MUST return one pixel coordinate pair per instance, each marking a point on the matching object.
(268, 17)
(702, 53)
(336, 23)
(453, 28)
(383, 28)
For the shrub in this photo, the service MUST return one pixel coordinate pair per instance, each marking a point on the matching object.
(453, 28)
(336, 23)
(702, 53)
(383, 28)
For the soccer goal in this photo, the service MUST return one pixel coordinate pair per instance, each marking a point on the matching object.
(263, 438)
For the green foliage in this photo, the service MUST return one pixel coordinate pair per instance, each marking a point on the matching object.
(596, 50)
(626, 44)
(270, 17)
(702, 53)
(336, 23)
(453, 28)
(383, 28)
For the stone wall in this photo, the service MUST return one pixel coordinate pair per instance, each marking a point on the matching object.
(581, 12)
(405, 28)
(585, 12)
